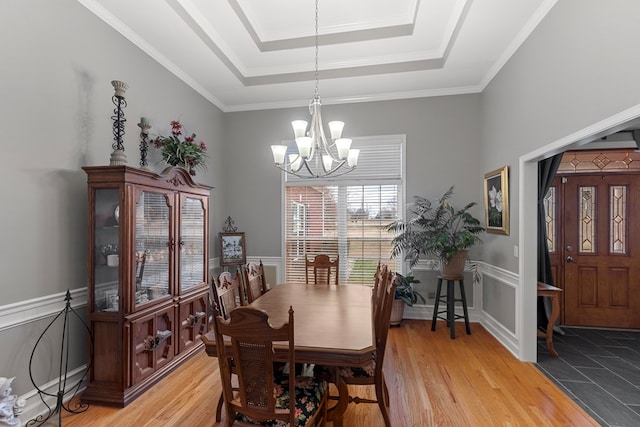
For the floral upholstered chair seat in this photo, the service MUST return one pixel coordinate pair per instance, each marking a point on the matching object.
(366, 371)
(309, 393)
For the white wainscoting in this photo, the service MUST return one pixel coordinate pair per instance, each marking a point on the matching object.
(506, 337)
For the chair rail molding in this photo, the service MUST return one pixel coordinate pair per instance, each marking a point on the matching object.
(32, 310)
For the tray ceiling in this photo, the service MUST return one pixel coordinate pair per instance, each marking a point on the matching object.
(257, 54)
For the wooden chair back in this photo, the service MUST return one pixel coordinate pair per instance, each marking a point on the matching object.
(254, 280)
(381, 322)
(252, 337)
(227, 292)
(379, 283)
(372, 374)
(141, 259)
(321, 269)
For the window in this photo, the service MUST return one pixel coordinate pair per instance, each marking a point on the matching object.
(299, 227)
(347, 215)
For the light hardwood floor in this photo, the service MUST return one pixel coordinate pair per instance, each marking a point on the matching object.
(433, 381)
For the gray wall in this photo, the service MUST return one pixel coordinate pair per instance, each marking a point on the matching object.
(578, 67)
(56, 113)
(443, 145)
(58, 60)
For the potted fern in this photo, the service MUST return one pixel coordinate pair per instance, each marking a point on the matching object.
(405, 294)
(437, 230)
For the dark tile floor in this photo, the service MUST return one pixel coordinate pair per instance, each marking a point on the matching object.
(600, 370)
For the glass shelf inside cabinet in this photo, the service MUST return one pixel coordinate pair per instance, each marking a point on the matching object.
(106, 250)
(152, 247)
(191, 243)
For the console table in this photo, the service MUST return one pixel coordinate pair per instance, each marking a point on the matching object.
(545, 290)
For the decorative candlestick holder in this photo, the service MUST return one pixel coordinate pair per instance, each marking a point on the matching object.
(118, 157)
(144, 141)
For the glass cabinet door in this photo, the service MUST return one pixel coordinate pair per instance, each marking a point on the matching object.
(192, 244)
(106, 249)
(152, 247)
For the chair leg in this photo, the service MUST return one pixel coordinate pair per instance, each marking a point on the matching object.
(219, 408)
(386, 393)
(325, 409)
(382, 402)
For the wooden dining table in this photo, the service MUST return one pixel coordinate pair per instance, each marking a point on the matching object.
(332, 327)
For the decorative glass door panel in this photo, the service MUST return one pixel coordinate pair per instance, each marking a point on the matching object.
(106, 249)
(152, 250)
(192, 243)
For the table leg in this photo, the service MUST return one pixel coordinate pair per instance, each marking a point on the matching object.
(555, 312)
(337, 411)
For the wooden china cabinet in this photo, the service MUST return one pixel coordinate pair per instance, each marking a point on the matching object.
(148, 299)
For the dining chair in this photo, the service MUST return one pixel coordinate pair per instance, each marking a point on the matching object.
(263, 395)
(141, 259)
(255, 280)
(372, 373)
(378, 288)
(228, 292)
(228, 295)
(321, 269)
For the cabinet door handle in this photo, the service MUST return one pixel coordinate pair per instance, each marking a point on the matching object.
(152, 342)
(192, 319)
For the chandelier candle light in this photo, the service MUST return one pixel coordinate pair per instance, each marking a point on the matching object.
(317, 157)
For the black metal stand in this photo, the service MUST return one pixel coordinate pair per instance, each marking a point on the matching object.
(63, 388)
(118, 121)
(144, 142)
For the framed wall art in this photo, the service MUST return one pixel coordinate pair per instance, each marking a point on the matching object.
(232, 248)
(496, 201)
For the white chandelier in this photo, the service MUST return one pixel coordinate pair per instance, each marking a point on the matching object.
(317, 157)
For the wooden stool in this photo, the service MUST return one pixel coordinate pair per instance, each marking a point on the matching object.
(450, 300)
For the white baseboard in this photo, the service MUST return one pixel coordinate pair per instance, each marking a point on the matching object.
(507, 338)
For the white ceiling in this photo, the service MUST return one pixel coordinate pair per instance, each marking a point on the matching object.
(258, 54)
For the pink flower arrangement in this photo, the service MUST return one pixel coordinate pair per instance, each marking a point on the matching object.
(183, 152)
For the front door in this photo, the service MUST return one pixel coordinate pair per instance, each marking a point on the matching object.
(599, 250)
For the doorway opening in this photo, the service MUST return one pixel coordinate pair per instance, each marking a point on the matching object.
(592, 215)
(526, 298)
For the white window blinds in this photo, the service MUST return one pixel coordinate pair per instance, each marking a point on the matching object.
(347, 215)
